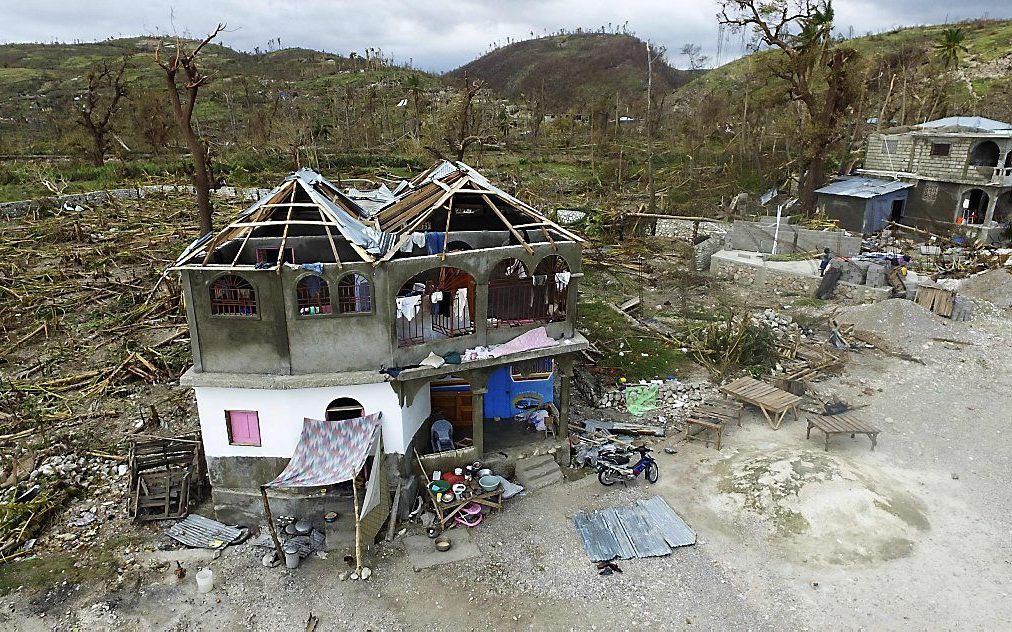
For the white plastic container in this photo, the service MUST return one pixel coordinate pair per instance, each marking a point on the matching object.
(205, 580)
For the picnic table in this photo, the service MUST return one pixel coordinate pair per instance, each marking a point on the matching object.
(843, 423)
(772, 401)
(711, 417)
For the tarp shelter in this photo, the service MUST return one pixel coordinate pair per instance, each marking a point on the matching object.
(863, 204)
(332, 452)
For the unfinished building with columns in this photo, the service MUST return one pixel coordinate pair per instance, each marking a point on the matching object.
(960, 169)
(446, 298)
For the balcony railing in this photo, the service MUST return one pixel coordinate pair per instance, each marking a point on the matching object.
(419, 319)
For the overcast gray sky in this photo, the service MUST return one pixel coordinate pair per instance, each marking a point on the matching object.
(434, 35)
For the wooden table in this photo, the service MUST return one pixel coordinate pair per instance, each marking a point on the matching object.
(446, 512)
(844, 423)
(711, 416)
(773, 402)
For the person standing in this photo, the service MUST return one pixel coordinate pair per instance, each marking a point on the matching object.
(827, 256)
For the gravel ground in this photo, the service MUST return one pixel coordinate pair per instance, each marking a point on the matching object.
(915, 535)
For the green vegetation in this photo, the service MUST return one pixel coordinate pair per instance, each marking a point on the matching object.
(628, 353)
(39, 573)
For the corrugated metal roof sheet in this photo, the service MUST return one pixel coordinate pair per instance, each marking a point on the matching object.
(203, 533)
(855, 186)
(649, 528)
(970, 122)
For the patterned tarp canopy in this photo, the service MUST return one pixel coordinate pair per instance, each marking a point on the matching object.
(330, 452)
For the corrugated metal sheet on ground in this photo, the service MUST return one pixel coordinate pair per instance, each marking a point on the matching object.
(649, 528)
(203, 533)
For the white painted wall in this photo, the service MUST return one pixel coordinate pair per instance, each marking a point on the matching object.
(281, 413)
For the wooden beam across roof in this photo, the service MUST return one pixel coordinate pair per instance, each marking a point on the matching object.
(515, 232)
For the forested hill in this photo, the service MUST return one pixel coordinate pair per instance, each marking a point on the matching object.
(570, 71)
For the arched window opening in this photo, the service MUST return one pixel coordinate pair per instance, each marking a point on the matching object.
(312, 294)
(551, 288)
(510, 295)
(354, 294)
(457, 246)
(344, 408)
(437, 303)
(985, 154)
(232, 295)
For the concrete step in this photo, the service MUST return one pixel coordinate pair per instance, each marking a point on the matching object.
(537, 472)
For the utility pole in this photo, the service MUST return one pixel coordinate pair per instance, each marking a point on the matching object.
(651, 187)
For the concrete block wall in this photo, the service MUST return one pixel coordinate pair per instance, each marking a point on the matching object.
(758, 237)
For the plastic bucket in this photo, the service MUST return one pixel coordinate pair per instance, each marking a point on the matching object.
(205, 580)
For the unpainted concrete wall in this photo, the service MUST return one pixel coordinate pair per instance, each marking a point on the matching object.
(279, 340)
(758, 237)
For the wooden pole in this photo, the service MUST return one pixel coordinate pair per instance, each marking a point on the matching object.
(270, 523)
(358, 531)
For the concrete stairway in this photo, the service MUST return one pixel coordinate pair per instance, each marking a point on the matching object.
(537, 472)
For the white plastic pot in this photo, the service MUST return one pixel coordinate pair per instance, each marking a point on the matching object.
(205, 580)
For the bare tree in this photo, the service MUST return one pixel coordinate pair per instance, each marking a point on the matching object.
(99, 103)
(819, 75)
(188, 87)
(693, 52)
(151, 121)
(461, 134)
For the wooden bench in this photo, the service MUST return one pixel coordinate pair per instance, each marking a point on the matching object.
(844, 423)
(772, 401)
(710, 417)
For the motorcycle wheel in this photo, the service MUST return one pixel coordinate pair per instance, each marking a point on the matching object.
(605, 477)
(653, 473)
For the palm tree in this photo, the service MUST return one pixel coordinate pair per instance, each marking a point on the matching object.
(414, 85)
(950, 47)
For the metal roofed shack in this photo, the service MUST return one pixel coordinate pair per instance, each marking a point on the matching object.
(862, 204)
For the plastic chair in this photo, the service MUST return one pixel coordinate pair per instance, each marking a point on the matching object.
(442, 435)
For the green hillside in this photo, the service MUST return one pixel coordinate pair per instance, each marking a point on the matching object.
(571, 71)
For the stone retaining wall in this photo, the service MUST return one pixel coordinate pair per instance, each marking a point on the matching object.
(781, 282)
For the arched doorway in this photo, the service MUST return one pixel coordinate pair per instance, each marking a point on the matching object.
(437, 303)
(344, 408)
(551, 288)
(1003, 207)
(973, 207)
(510, 294)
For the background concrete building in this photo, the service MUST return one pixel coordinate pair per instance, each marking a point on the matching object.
(312, 304)
(961, 169)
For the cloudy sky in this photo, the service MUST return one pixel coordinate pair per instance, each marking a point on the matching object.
(435, 36)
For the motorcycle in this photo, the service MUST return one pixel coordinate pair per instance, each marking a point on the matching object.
(613, 467)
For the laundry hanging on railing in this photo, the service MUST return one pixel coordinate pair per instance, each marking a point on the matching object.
(460, 305)
(562, 280)
(435, 243)
(407, 306)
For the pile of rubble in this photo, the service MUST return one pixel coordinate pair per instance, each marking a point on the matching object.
(79, 470)
(782, 325)
(671, 394)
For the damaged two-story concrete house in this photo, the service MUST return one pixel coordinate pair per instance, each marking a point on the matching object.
(951, 170)
(316, 305)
